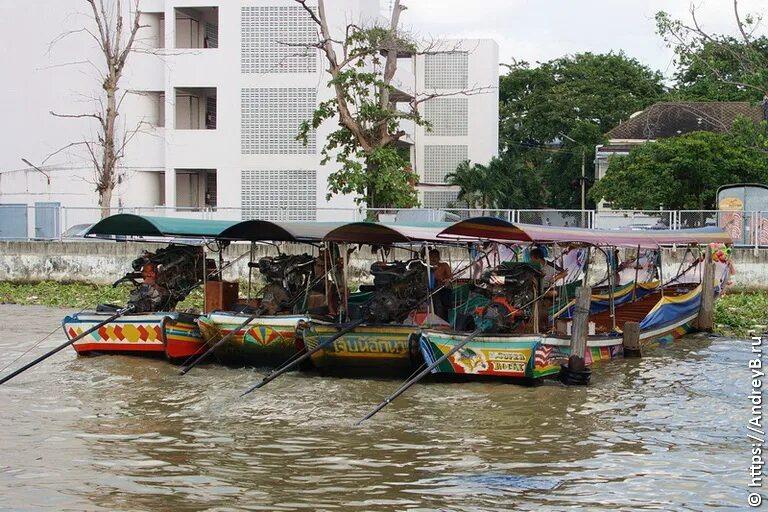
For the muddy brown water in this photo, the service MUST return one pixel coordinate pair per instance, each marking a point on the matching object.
(667, 432)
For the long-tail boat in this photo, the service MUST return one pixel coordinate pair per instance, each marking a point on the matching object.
(269, 338)
(383, 344)
(665, 312)
(147, 331)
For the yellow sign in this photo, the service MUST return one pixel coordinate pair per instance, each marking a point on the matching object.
(731, 204)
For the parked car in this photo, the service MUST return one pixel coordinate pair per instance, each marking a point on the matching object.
(76, 232)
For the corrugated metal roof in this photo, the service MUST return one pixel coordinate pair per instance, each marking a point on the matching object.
(669, 119)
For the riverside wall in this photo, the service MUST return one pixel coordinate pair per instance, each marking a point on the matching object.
(104, 262)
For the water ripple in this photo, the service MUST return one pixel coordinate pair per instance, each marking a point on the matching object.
(664, 432)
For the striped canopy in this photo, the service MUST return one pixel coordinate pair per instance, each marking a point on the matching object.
(491, 228)
(376, 233)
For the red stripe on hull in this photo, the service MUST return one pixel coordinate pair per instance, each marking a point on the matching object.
(118, 347)
(177, 349)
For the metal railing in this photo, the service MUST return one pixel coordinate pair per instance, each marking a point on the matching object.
(46, 221)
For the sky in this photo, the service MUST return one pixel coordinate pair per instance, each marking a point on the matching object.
(541, 30)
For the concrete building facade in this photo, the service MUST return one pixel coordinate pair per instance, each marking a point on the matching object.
(217, 90)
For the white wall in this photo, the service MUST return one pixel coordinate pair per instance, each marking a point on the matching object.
(37, 81)
(482, 139)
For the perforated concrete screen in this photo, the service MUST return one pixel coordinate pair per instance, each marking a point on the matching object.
(271, 118)
(441, 159)
(272, 38)
(446, 70)
(440, 199)
(278, 194)
(449, 116)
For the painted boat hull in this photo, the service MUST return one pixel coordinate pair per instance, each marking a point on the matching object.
(170, 334)
(531, 356)
(381, 350)
(265, 341)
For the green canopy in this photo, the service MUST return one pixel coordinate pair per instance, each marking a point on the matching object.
(264, 230)
(128, 224)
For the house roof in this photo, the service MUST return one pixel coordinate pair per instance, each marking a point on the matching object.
(668, 119)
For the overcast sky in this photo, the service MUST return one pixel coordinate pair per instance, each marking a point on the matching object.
(540, 30)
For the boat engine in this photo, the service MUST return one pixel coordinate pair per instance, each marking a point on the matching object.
(512, 302)
(398, 288)
(287, 276)
(164, 278)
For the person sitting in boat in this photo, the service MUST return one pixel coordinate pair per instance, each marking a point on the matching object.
(324, 295)
(439, 279)
(549, 275)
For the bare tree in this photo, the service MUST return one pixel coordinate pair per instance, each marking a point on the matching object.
(740, 61)
(115, 36)
(365, 104)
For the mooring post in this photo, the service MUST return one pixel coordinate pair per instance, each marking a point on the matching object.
(631, 339)
(706, 319)
(576, 371)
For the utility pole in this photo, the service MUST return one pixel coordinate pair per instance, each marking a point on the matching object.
(583, 179)
(583, 185)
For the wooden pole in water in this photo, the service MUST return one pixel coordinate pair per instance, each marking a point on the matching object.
(706, 319)
(406, 385)
(631, 339)
(572, 374)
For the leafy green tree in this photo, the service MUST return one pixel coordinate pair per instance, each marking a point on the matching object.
(577, 97)
(365, 105)
(685, 172)
(717, 66)
(504, 183)
(713, 72)
(475, 190)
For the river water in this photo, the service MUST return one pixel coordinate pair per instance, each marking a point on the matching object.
(666, 432)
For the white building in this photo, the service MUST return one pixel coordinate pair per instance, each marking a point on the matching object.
(219, 98)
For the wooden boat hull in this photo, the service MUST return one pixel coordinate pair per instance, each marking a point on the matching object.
(265, 341)
(386, 350)
(174, 335)
(536, 356)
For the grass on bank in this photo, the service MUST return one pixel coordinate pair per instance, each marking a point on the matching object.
(78, 295)
(739, 314)
(736, 314)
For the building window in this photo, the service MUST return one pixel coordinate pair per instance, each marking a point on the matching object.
(271, 118)
(211, 195)
(279, 194)
(211, 36)
(272, 39)
(446, 70)
(448, 116)
(441, 159)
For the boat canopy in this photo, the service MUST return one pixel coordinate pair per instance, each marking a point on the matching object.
(264, 230)
(491, 228)
(377, 233)
(128, 224)
(483, 228)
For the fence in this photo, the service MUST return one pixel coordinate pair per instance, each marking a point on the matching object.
(50, 221)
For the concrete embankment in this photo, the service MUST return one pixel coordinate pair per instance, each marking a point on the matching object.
(104, 262)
